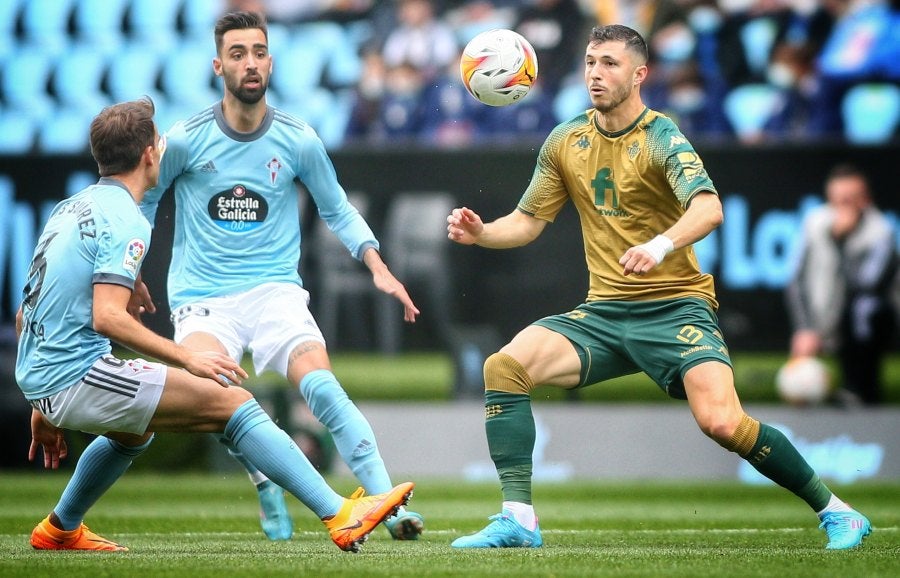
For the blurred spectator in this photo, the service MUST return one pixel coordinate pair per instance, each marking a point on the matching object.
(368, 95)
(749, 32)
(421, 39)
(550, 26)
(530, 117)
(450, 112)
(840, 297)
(400, 117)
(864, 45)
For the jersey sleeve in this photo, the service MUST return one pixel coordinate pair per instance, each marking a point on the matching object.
(546, 193)
(683, 167)
(173, 163)
(317, 173)
(122, 244)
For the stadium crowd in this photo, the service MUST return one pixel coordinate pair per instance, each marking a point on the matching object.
(364, 71)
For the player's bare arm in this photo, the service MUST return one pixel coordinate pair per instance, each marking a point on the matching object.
(111, 318)
(385, 281)
(703, 215)
(516, 229)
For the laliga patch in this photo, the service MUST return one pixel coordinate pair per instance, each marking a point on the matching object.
(133, 255)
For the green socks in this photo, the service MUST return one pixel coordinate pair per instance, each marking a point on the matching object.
(775, 457)
(509, 425)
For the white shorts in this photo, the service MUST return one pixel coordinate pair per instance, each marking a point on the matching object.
(269, 321)
(115, 395)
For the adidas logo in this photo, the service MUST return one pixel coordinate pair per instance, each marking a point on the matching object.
(363, 448)
(208, 167)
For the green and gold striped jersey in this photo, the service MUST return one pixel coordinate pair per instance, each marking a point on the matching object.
(627, 187)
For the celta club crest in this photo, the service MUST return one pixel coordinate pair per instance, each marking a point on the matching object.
(274, 166)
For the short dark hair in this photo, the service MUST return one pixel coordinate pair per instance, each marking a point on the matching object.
(620, 33)
(842, 170)
(239, 21)
(120, 134)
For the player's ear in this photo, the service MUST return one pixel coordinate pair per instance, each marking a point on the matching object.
(217, 66)
(640, 73)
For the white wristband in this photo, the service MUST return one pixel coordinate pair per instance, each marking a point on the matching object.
(658, 247)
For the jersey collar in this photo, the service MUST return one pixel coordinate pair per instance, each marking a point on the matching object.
(625, 130)
(219, 115)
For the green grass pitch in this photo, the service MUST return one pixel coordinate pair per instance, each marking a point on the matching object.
(196, 525)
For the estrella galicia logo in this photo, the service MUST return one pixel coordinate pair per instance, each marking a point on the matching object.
(238, 209)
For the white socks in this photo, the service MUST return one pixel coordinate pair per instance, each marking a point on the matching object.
(835, 505)
(522, 513)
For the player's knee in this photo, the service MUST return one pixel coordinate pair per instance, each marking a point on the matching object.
(503, 373)
(739, 437)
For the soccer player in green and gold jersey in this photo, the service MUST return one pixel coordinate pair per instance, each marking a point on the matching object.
(643, 197)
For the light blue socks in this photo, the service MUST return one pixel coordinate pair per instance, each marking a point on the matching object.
(270, 449)
(353, 436)
(101, 464)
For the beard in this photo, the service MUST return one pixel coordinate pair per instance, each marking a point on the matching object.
(616, 98)
(247, 95)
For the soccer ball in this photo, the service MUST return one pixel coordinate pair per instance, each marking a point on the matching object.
(498, 67)
(803, 381)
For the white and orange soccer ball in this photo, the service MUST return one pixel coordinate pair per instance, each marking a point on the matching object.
(803, 381)
(498, 67)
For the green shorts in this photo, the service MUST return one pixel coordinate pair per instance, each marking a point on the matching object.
(661, 338)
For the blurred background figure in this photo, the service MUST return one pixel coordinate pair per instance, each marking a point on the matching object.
(840, 297)
(421, 39)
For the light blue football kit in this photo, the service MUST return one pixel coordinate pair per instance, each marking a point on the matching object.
(100, 236)
(97, 235)
(238, 219)
(237, 232)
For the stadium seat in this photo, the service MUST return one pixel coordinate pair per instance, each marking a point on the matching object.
(312, 107)
(571, 99)
(187, 76)
(18, 133)
(78, 77)
(133, 73)
(199, 18)
(154, 22)
(98, 23)
(66, 132)
(45, 24)
(750, 106)
(343, 283)
(298, 67)
(757, 39)
(871, 113)
(24, 82)
(9, 14)
(345, 63)
(416, 249)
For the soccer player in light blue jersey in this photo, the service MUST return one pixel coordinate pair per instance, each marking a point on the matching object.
(76, 300)
(233, 281)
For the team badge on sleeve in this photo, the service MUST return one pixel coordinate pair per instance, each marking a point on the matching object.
(134, 253)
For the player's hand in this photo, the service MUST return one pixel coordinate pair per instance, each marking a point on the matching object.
(805, 343)
(140, 301)
(49, 438)
(464, 226)
(844, 221)
(385, 281)
(216, 366)
(643, 258)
